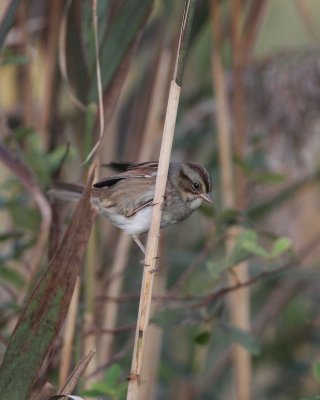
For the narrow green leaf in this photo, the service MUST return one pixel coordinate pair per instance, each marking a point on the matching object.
(10, 275)
(12, 58)
(7, 20)
(269, 177)
(241, 337)
(316, 370)
(92, 393)
(65, 396)
(175, 316)
(239, 253)
(113, 375)
(202, 338)
(103, 389)
(254, 248)
(310, 398)
(43, 315)
(281, 245)
(167, 317)
(121, 33)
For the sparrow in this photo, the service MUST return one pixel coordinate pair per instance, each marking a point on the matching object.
(126, 198)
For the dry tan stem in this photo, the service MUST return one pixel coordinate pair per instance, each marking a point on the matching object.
(77, 373)
(68, 335)
(25, 88)
(154, 340)
(253, 24)
(222, 114)
(238, 302)
(89, 342)
(110, 311)
(153, 235)
(151, 131)
(152, 243)
(99, 83)
(63, 59)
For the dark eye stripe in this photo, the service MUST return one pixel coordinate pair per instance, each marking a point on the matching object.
(184, 176)
(203, 174)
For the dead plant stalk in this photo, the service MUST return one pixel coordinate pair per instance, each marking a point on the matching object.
(153, 235)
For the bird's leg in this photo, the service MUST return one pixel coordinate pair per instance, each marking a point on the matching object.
(143, 249)
(141, 246)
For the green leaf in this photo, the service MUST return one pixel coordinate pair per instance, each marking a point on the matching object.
(202, 338)
(229, 217)
(241, 337)
(7, 20)
(254, 248)
(8, 274)
(43, 315)
(92, 393)
(310, 398)
(239, 251)
(122, 31)
(175, 316)
(316, 370)
(215, 268)
(122, 389)
(113, 375)
(12, 58)
(281, 245)
(269, 177)
(103, 389)
(167, 317)
(25, 217)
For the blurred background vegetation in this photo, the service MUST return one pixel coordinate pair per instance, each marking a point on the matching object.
(49, 124)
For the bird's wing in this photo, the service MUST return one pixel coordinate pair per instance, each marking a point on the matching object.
(126, 193)
(143, 170)
(127, 166)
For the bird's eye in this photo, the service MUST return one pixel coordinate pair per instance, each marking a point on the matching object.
(196, 186)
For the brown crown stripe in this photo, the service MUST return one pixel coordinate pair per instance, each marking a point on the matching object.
(203, 174)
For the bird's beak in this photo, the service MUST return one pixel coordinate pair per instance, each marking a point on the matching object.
(207, 197)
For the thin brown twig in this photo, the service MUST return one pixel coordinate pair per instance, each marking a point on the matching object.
(77, 373)
(26, 177)
(122, 329)
(63, 61)
(99, 82)
(252, 25)
(222, 291)
(265, 274)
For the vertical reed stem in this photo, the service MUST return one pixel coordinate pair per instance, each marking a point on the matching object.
(153, 235)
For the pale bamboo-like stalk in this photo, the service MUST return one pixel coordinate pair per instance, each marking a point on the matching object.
(110, 311)
(90, 293)
(155, 333)
(153, 235)
(76, 374)
(152, 244)
(150, 367)
(222, 114)
(151, 131)
(25, 87)
(68, 335)
(238, 301)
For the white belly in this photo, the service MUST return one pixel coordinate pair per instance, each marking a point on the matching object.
(138, 223)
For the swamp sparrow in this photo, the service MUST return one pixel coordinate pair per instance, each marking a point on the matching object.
(126, 198)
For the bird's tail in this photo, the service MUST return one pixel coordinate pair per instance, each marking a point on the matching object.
(66, 191)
